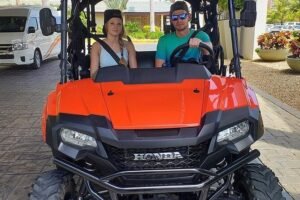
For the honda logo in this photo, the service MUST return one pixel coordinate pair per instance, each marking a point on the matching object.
(158, 156)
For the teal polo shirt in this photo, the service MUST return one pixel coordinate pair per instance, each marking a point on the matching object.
(171, 41)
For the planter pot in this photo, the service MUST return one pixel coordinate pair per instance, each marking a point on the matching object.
(294, 63)
(272, 54)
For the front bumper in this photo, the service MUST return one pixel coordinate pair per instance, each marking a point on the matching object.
(21, 57)
(109, 183)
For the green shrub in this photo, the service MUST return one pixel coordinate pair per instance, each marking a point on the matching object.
(132, 27)
(138, 35)
(99, 30)
(146, 29)
(154, 35)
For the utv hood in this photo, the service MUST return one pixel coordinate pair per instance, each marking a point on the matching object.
(151, 99)
(139, 98)
(154, 106)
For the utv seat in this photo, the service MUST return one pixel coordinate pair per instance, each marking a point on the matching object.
(145, 59)
(85, 68)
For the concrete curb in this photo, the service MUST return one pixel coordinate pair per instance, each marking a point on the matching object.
(277, 102)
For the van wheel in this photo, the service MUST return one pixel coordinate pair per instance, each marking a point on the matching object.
(256, 181)
(55, 184)
(37, 59)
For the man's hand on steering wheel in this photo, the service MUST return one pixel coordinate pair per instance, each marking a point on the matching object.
(205, 48)
(195, 42)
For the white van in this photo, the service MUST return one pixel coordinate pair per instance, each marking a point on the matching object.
(21, 38)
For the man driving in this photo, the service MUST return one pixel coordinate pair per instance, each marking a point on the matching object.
(180, 17)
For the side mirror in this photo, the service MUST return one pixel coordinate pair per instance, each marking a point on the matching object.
(47, 21)
(248, 14)
(31, 29)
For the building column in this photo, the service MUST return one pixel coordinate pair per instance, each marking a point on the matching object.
(162, 23)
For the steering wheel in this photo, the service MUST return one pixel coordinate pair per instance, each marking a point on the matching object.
(184, 47)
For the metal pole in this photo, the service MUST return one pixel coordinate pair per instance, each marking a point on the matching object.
(233, 27)
(88, 13)
(64, 38)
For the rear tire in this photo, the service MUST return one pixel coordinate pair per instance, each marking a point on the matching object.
(258, 182)
(54, 185)
(37, 59)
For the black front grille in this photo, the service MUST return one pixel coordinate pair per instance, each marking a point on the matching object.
(123, 159)
(5, 47)
(6, 56)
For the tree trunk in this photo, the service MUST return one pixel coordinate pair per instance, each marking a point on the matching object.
(18, 2)
(152, 16)
(116, 4)
(45, 3)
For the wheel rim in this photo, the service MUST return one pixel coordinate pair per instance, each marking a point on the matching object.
(37, 59)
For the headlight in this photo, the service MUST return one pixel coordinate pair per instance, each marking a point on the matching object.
(20, 46)
(76, 138)
(234, 132)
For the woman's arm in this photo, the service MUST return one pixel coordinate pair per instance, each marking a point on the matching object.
(94, 65)
(131, 55)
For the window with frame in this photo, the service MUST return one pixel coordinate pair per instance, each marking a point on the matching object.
(33, 23)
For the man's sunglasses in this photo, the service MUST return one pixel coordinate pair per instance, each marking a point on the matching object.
(182, 16)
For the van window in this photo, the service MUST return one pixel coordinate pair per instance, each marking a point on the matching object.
(12, 24)
(33, 23)
(58, 19)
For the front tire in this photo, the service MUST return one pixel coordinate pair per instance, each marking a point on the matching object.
(258, 182)
(54, 185)
(37, 59)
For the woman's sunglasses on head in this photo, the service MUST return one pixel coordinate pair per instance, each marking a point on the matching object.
(182, 16)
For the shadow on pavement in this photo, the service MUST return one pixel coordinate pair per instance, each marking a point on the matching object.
(26, 67)
(289, 72)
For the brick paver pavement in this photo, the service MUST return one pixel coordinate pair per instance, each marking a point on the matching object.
(280, 145)
(23, 155)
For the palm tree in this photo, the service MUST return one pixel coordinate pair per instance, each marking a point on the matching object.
(116, 4)
(45, 3)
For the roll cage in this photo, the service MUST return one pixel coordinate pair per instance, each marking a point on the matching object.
(75, 56)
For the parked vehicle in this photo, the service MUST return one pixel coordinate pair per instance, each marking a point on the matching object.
(287, 28)
(296, 28)
(292, 23)
(268, 27)
(21, 38)
(276, 28)
(177, 133)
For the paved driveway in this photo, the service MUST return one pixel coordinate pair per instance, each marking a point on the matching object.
(23, 155)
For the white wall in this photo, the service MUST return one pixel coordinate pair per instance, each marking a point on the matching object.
(247, 36)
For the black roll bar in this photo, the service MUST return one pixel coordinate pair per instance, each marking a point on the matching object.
(233, 23)
(64, 36)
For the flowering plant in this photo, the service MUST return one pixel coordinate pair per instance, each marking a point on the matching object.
(274, 40)
(295, 45)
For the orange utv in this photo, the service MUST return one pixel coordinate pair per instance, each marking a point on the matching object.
(176, 133)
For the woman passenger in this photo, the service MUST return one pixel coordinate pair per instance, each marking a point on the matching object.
(113, 30)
